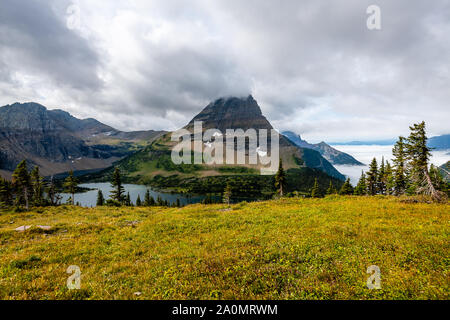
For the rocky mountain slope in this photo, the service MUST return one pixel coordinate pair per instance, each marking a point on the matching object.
(57, 142)
(153, 165)
(334, 156)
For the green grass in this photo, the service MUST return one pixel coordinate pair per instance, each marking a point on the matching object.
(283, 249)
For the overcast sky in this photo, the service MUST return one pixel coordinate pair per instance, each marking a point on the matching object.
(313, 66)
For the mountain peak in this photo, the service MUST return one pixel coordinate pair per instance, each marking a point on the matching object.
(232, 113)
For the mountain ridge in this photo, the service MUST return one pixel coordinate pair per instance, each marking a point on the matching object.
(57, 142)
(334, 156)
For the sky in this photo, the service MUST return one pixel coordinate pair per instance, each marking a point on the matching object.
(313, 65)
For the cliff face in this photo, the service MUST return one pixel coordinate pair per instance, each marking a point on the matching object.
(54, 140)
(232, 113)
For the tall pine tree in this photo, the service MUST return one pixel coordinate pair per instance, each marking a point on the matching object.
(347, 188)
(100, 198)
(70, 185)
(315, 192)
(419, 155)
(361, 187)
(280, 178)
(372, 178)
(399, 168)
(117, 194)
(22, 184)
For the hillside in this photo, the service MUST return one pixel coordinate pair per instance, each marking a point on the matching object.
(334, 156)
(284, 249)
(153, 164)
(58, 142)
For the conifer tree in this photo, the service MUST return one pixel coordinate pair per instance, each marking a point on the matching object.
(70, 185)
(361, 187)
(178, 203)
(331, 189)
(138, 201)
(280, 178)
(128, 200)
(315, 192)
(100, 198)
(227, 194)
(117, 194)
(5, 193)
(347, 188)
(381, 178)
(52, 194)
(22, 184)
(389, 179)
(159, 201)
(37, 185)
(418, 158)
(372, 178)
(148, 200)
(399, 168)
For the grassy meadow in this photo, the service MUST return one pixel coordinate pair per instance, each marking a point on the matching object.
(281, 249)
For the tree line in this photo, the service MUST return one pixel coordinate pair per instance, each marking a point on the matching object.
(29, 189)
(409, 174)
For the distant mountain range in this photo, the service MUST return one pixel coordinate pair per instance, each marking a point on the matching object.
(438, 143)
(334, 156)
(58, 142)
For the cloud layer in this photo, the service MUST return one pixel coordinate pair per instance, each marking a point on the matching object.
(313, 66)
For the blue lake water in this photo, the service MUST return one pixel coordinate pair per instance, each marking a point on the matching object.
(89, 199)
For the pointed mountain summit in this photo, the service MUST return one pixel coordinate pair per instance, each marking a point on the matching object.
(232, 113)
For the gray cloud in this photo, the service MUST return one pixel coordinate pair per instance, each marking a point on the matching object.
(34, 41)
(313, 66)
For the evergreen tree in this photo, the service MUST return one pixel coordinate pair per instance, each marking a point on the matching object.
(347, 188)
(52, 194)
(315, 192)
(390, 182)
(148, 200)
(331, 189)
(100, 198)
(372, 178)
(227, 194)
(280, 179)
(5, 193)
(70, 186)
(138, 201)
(381, 178)
(159, 202)
(418, 157)
(37, 185)
(399, 168)
(117, 194)
(178, 203)
(361, 187)
(128, 202)
(22, 184)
